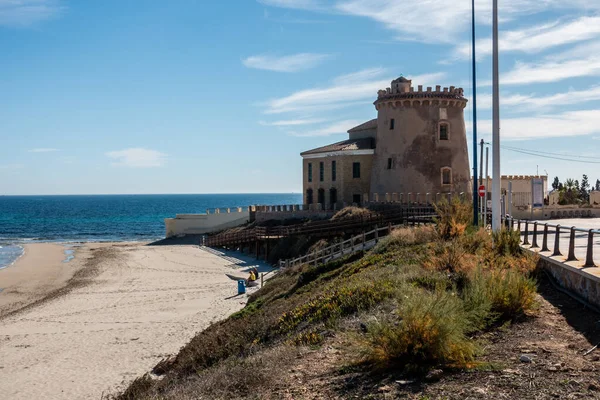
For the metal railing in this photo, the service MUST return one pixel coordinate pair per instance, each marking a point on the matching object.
(556, 231)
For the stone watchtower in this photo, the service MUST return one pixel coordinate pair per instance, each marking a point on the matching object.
(421, 143)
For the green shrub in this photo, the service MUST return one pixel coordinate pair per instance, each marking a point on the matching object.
(336, 303)
(307, 338)
(453, 217)
(477, 302)
(450, 257)
(512, 294)
(507, 242)
(431, 331)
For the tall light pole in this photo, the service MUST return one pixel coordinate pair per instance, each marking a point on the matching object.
(475, 186)
(496, 219)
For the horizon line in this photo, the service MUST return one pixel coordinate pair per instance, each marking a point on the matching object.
(143, 194)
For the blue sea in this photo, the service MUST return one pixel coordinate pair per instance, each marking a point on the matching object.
(27, 219)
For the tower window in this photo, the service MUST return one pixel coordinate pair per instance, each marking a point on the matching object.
(356, 170)
(333, 171)
(446, 176)
(392, 122)
(443, 131)
(310, 172)
(321, 171)
(389, 164)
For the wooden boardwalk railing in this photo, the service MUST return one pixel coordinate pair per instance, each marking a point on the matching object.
(362, 242)
(322, 228)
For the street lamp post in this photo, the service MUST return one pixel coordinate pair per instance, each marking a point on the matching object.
(496, 218)
(475, 186)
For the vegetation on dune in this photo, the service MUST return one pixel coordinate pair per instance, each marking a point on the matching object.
(420, 297)
(353, 212)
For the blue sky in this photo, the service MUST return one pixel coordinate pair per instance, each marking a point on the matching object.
(124, 96)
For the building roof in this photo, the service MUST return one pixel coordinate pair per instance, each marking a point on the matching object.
(372, 124)
(401, 80)
(346, 145)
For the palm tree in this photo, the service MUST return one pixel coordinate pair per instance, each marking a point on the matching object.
(569, 184)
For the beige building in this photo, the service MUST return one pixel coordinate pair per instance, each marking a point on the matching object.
(417, 144)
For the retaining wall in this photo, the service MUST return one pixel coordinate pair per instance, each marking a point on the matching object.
(194, 224)
(576, 280)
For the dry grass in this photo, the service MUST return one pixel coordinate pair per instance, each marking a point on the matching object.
(353, 212)
(402, 237)
(430, 329)
(237, 378)
(451, 257)
(453, 217)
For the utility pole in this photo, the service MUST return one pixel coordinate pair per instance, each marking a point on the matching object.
(475, 186)
(481, 183)
(496, 220)
(510, 198)
(487, 184)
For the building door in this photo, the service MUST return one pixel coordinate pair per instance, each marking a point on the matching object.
(309, 196)
(332, 197)
(356, 199)
(321, 197)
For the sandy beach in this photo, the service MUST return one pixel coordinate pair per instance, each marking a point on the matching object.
(84, 328)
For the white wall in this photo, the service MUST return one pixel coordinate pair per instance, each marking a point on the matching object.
(194, 224)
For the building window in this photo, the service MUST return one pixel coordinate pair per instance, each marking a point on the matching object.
(321, 171)
(392, 123)
(443, 131)
(309, 173)
(321, 196)
(446, 176)
(389, 164)
(332, 196)
(333, 171)
(309, 196)
(356, 199)
(356, 170)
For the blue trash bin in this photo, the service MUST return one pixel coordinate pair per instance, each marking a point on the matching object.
(241, 287)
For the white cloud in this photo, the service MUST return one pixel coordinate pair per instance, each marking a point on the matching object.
(43, 150)
(531, 101)
(551, 70)
(332, 129)
(137, 158)
(19, 13)
(538, 38)
(571, 123)
(342, 93)
(292, 63)
(580, 51)
(435, 21)
(292, 122)
(361, 76)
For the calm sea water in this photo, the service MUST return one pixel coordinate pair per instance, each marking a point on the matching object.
(107, 217)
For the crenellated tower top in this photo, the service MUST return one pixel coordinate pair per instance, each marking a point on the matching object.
(402, 94)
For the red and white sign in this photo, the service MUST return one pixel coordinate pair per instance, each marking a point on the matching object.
(482, 191)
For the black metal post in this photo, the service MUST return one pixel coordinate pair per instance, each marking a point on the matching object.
(557, 242)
